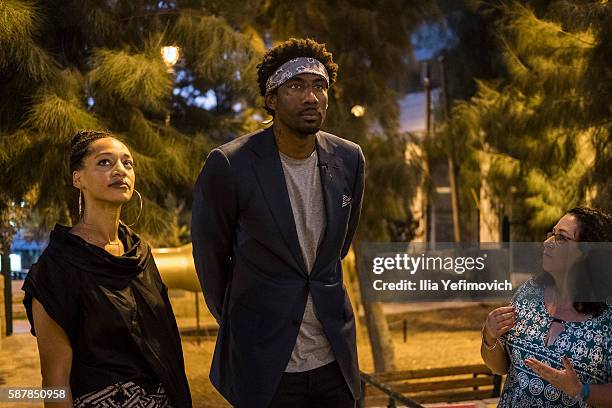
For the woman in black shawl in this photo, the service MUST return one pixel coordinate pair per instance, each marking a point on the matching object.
(95, 300)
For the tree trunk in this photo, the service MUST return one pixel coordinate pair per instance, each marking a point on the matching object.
(452, 178)
(8, 296)
(2, 319)
(381, 340)
(490, 230)
(351, 282)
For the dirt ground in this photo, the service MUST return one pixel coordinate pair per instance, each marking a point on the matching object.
(435, 338)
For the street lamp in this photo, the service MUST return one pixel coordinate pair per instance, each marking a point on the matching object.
(170, 54)
(358, 111)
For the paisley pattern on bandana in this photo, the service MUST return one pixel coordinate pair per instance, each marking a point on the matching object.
(296, 66)
(124, 395)
(587, 344)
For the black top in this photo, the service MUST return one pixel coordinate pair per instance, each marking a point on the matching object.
(115, 311)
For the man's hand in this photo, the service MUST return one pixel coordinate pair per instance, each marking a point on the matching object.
(565, 380)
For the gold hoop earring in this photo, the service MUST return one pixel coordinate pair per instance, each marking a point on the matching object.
(80, 204)
(139, 212)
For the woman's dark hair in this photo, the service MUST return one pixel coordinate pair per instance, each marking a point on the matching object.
(593, 285)
(79, 146)
(593, 225)
(290, 49)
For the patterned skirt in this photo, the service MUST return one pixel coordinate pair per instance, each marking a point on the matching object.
(124, 395)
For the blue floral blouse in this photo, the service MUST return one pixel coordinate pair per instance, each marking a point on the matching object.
(587, 344)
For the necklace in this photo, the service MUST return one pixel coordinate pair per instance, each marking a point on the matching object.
(92, 235)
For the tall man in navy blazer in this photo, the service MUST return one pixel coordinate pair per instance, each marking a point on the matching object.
(273, 215)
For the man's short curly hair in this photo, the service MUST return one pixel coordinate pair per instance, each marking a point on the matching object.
(290, 49)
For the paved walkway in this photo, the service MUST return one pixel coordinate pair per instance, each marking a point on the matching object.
(19, 364)
(20, 367)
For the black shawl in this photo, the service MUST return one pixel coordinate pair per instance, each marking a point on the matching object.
(115, 311)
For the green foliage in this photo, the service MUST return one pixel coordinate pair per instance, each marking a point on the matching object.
(548, 148)
(219, 54)
(19, 23)
(137, 79)
(96, 64)
(72, 65)
(17, 20)
(391, 182)
(58, 118)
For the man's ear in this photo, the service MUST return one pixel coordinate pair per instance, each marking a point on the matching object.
(270, 100)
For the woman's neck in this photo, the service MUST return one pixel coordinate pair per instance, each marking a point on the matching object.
(561, 305)
(100, 223)
(563, 289)
(561, 298)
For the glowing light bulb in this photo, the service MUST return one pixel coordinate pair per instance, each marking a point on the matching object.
(170, 54)
(358, 110)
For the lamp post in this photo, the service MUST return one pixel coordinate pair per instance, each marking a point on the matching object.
(170, 55)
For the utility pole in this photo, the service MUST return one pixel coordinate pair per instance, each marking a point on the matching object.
(428, 207)
(450, 152)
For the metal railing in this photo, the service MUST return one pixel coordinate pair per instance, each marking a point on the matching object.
(393, 396)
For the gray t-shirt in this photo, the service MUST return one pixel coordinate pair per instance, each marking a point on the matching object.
(311, 348)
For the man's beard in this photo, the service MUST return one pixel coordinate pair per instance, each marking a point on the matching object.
(304, 131)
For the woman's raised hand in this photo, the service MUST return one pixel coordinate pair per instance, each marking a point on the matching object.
(498, 322)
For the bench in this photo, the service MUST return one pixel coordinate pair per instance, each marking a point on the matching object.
(447, 384)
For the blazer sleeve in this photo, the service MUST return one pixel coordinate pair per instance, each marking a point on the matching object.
(358, 189)
(213, 222)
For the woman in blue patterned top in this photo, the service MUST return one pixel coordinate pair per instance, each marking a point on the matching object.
(555, 345)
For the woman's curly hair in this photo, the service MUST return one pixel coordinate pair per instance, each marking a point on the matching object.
(593, 226)
(290, 49)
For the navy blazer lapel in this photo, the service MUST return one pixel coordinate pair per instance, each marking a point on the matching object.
(269, 172)
(329, 167)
